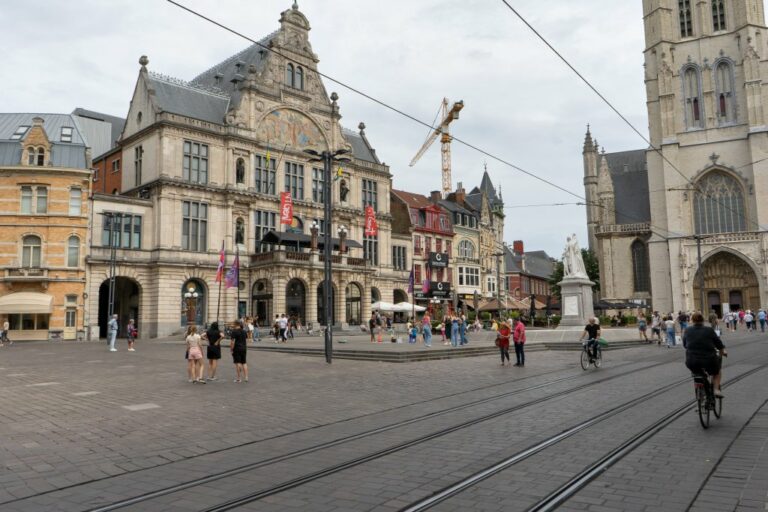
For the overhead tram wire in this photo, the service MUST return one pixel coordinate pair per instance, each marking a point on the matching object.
(409, 116)
(694, 186)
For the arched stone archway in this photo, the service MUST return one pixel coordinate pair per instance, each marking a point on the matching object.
(200, 304)
(296, 299)
(261, 301)
(354, 305)
(321, 304)
(399, 296)
(728, 279)
(126, 304)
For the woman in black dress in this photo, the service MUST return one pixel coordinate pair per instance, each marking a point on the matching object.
(214, 337)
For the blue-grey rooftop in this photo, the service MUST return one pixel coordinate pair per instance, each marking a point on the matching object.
(179, 97)
(63, 154)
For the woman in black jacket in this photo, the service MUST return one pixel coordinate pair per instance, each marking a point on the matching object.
(702, 345)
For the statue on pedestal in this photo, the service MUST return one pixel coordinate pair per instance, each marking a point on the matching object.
(573, 263)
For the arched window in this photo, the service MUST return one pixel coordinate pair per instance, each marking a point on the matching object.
(31, 247)
(466, 249)
(718, 15)
(692, 98)
(299, 79)
(718, 205)
(73, 251)
(240, 171)
(686, 20)
(289, 75)
(240, 231)
(640, 266)
(193, 303)
(726, 100)
(30, 156)
(375, 295)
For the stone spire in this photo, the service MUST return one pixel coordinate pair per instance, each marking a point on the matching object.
(588, 144)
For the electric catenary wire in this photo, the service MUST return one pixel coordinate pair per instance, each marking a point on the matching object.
(407, 115)
(694, 186)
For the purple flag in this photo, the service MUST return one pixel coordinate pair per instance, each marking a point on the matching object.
(232, 278)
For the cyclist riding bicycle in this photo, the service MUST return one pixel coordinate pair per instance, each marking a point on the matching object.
(702, 345)
(592, 331)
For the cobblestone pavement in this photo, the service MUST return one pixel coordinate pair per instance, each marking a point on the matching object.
(83, 427)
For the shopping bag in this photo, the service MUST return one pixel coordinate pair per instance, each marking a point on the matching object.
(602, 342)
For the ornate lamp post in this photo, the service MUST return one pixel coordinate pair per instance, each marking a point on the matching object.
(342, 231)
(191, 298)
(314, 229)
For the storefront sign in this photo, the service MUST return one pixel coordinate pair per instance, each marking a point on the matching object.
(438, 259)
(286, 208)
(439, 289)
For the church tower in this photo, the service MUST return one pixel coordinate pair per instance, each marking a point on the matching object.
(708, 164)
(590, 188)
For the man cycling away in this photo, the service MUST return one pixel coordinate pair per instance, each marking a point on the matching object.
(592, 332)
(701, 347)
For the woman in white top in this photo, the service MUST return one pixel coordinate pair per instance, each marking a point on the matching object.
(194, 356)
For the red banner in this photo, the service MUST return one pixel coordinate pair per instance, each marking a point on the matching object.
(371, 228)
(286, 208)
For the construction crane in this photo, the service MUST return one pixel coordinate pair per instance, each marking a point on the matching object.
(445, 138)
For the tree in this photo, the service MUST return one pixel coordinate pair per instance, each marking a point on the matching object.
(590, 263)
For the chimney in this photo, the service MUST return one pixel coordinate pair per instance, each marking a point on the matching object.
(435, 196)
(517, 247)
(460, 194)
(37, 121)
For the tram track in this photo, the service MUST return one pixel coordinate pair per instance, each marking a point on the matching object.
(330, 470)
(553, 500)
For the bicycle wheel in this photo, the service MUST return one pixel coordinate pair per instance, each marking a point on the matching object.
(599, 358)
(584, 360)
(701, 400)
(717, 406)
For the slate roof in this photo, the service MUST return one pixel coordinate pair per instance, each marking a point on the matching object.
(63, 154)
(537, 263)
(413, 200)
(453, 206)
(179, 97)
(227, 69)
(360, 148)
(629, 174)
(486, 185)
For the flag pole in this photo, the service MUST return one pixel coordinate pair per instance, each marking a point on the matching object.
(237, 283)
(221, 278)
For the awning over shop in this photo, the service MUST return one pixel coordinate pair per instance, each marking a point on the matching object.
(302, 241)
(26, 302)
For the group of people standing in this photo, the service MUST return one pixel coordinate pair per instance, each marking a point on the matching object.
(212, 340)
(515, 331)
(748, 319)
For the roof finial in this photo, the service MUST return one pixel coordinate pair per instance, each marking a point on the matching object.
(485, 166)
(143, 61)
(295, 5)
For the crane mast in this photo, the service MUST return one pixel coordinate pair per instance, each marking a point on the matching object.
(443, 131)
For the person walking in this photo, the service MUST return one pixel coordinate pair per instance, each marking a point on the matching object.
(669, 323)
(463, 329)
(282, 325)
(656, 327)
(372, 326)
(256, 330)
(642, 326)
(502, 341)
(454, 331)
(112, 328)
(426, 330)
(213, 336)
(194, 356)
(239, 348)
(761, 317)
(132, 334)
(749, 319)
(518, 337)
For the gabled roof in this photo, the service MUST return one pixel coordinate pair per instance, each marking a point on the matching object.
(453, 206)
(179, 97)
(629, 174)
(537, 263)
(413, 200)
(360, 147)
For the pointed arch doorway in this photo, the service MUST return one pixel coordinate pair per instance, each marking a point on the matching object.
(730, 284)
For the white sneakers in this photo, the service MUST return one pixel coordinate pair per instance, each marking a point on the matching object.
(113, 350)
(131, 350)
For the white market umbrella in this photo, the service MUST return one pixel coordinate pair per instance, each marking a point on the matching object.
(407, 306)
(383, 306)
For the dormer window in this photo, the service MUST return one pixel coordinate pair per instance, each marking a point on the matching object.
(66, 133)
(36, 156)
(20, 132)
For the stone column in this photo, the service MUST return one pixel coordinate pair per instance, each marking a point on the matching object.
(341, 301)
(311, 300)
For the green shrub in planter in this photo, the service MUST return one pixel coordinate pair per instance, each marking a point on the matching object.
(630, 320)
(485, 315)
(605, 320)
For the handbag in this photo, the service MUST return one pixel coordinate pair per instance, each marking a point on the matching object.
(498, 341)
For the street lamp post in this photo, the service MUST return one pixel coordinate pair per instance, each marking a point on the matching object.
(327, 157)
(498, 283)
(342, 231)
(191, 298)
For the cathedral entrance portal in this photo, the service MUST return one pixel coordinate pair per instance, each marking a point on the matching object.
(729, 284)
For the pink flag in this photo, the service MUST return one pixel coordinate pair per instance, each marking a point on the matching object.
(233, 274)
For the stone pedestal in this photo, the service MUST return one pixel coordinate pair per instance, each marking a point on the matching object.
(576, 301)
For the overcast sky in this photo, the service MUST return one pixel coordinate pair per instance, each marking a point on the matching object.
(521, 103)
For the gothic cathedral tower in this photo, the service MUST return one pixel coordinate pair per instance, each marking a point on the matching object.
(705, 70)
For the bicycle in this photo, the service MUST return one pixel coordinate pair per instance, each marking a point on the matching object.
(587, 359)
(706, 401)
